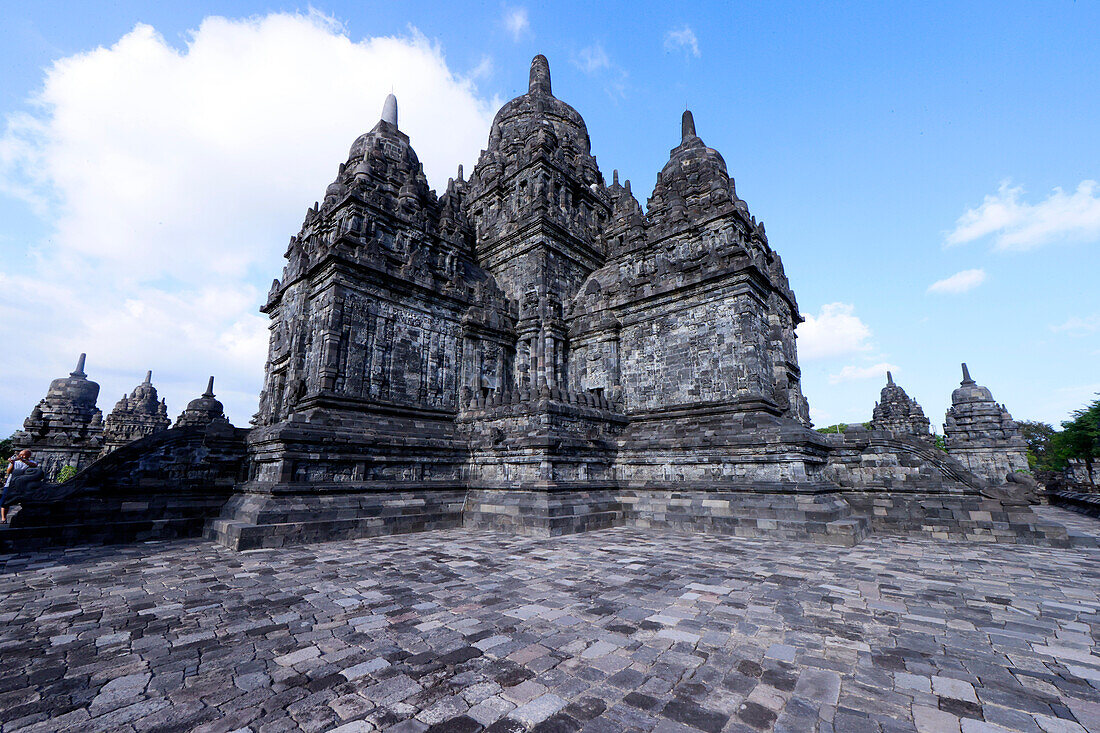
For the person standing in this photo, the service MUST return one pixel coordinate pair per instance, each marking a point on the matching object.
(18, 464)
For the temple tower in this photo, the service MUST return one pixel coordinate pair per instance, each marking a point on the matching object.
(538, 204)
(380, 305)
(980, 433)
(66, 427)
(203, 411)
(897, 412)
(135, 416)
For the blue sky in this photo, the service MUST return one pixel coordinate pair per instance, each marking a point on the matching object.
(148, 188)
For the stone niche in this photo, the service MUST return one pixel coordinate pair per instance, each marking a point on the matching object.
(533, 351)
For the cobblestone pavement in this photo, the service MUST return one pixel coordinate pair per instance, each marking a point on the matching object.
(607, 631)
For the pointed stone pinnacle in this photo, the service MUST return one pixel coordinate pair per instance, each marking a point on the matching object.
(79, 372)
(615, 177)
(389, 110)
(889, 377)
(540, 76)
(148, 377)
(209, 388)
(966, 375)
(460, 172)
(687, 126)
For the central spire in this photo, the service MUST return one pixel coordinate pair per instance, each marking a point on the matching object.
(687, 126)
(389, 110)
(540, 76)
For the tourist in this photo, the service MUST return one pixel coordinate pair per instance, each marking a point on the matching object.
(17, 466)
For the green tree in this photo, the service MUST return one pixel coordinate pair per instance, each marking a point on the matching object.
(1039, 437)
(67, 472)
(7, 447)
(1079, 439)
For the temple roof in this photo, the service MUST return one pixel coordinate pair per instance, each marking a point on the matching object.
(539, 107)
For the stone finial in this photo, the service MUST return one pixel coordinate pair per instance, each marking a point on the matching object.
(389, 110)
(148, 377)
(687, 126)
(615, 177)
(79, 371)
(540, 76)
(210, 386)
(966, 375)
(460, 172)
(889, 377)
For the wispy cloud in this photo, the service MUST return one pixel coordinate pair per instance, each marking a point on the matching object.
(960, 282)
(484, 68)
(1078, 325)
(852, 373)
(1017, 225)
(594, 61)
(834, 331)
(682, 39)
(517, 22)
(592, 58)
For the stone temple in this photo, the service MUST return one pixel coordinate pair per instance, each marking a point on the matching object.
(135, 416)
(66, 427)
(897, 412)
(534, 351)
(981, 434)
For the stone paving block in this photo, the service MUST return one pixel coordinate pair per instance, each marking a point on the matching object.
(1058, 725)
(363, 669)
(490, 710)
(538, 710)
(953, 688)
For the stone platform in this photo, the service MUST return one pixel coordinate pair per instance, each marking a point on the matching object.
(614, 630)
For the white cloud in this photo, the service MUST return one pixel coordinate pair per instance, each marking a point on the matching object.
(853, 373)
(592, 59)
(517, 22)
(960, 282)
(1078, 325)
(834, 331)
(1018, 225)
(682, 39)
(171, 179)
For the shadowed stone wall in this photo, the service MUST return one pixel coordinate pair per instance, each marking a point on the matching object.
(164, 486)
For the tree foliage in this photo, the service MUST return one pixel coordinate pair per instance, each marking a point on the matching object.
(1039, 449)
(1079, 439)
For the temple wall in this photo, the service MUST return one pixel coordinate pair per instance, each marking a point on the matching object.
(991, 462)
(707, 347)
